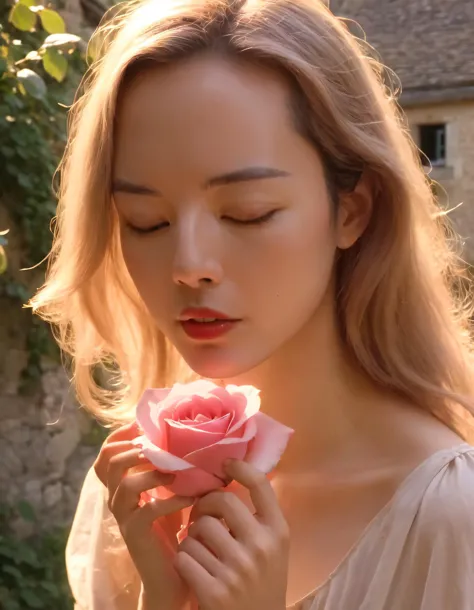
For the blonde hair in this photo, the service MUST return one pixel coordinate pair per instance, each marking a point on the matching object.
(399, 295)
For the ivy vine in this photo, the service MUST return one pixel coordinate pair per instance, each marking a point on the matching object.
(32, 571)
(40, 67)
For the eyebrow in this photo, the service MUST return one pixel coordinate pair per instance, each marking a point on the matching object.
(246, 174)
(124, 186)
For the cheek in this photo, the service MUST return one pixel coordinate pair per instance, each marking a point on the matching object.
(298, 254)
(294, 275)
(136, 259)
(145, 268)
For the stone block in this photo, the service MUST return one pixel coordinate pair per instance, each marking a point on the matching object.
(33, 492)
(52, 495)
(13, 368)
(62, 445)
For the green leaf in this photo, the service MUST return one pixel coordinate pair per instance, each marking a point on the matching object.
(60, 40)
(32, 82)
(55, 64)
(8, 602)
(22, 18)
(13, 571)
(52, 21)
(31, 598)
(51, 588)
(3, 66)
(33, 56)
(26, 511)
(6, 551)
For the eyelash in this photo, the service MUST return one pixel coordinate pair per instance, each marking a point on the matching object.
(254, 221)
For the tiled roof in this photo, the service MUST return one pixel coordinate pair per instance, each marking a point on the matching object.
(428, 43)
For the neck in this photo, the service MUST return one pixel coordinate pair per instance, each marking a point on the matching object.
(311, 385)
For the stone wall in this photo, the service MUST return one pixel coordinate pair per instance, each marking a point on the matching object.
(457, 177)
(46, 447)
(47, 443)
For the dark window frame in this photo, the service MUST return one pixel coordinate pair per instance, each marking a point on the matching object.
(432, 143)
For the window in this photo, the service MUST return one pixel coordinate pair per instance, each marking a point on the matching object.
(433, 144)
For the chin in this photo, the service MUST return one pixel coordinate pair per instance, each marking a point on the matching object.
(217, 365)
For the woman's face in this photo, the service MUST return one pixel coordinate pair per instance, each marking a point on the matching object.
(222, 205)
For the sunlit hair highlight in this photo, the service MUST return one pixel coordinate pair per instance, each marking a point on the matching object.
(399, 289)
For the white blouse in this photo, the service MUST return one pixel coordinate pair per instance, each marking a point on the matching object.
(417, 554)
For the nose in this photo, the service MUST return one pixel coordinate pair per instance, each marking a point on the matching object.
(197, 260)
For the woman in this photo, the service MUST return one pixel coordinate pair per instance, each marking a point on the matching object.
(244, 160)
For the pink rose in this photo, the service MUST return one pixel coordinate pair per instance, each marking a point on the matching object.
(190, 430)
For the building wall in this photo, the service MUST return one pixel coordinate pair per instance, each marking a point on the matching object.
(457, 177)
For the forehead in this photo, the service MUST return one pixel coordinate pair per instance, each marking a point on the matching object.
(207, 108)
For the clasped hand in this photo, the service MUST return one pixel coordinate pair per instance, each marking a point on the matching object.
(232, 559)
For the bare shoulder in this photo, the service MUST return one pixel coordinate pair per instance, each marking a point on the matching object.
(434, 565)
(417, 434)
(450, 493)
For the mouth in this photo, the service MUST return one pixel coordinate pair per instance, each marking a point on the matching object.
(205, 324)
(203, 315)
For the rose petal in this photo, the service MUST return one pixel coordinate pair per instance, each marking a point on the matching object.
(164, 461)
(195, 406)
(229, 403)
(194, 482)
(252, 406)
(219, 424)
(183, 439)
(232, 404)
(211, 458)
(147, 413)
(200, 387)
(269, 443)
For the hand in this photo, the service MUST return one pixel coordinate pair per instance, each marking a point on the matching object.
(148, 528)
(242, 565)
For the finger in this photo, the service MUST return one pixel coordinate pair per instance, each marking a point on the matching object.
(196, 577)
(261, 492)
(101, 465)
(156, 509)
(124, 433)
(214, 535)
(202, 555)
(120, 464)
(227, 506)
(127, 495)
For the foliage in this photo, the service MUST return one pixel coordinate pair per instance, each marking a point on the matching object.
(32, 123)
(36, 55)
(32, 571)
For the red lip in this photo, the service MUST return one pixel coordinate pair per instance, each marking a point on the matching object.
(201, 331)
(202, 312)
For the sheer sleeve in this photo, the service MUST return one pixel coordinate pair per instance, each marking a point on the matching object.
(100, 570)
(436, 567)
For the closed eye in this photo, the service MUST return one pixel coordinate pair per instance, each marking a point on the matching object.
(252, 221)
(238, 221)
(144, 230)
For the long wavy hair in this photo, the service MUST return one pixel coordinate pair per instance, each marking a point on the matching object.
(400, 300)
